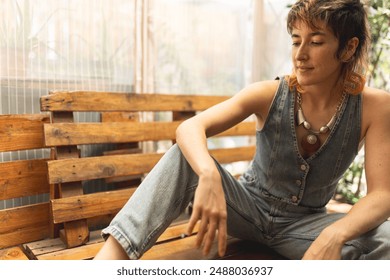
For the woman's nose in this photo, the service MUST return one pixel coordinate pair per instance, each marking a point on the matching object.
(301, 53)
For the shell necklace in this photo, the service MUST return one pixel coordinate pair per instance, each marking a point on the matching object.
(311, 142)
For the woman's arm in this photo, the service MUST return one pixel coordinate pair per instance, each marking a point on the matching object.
(209, 202)
(374, 208)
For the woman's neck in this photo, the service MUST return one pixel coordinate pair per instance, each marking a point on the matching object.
(323, 95)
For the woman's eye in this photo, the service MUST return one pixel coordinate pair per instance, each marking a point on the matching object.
(317, 43)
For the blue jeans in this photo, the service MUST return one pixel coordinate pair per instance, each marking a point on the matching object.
(288, 229)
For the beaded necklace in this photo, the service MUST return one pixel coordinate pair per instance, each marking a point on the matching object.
(311, 142)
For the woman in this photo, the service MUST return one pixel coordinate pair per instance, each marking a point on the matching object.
(310, 126)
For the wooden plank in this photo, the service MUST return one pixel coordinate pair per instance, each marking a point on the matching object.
(23, 178)
(22, 132)
(24, 224)
(75, 232)
(119, 117)
(178, 249)
(174, 249)
(14, 253)
(90, 101)
(84, 252)
(176, 231)
(52, 246)
(117, 132)
(229, 155)
(63, 134)
(185, 249)
(89, 205)
(26, 234)
(35, 249)
(13, 219)
(55, 250)
(68, 170)
(130, 147)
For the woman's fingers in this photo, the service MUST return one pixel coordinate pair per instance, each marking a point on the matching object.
(195, 216)
(210, 226)
(202, 231)
(222, 237)
(210, 209)
(210, 235)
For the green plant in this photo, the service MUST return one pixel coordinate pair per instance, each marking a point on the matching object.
(350, 187)
(379, 18)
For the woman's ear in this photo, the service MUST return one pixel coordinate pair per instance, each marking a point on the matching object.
(350, 49)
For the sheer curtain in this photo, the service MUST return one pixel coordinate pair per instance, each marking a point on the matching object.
(171, 46)
(165, 46)
(71, 45)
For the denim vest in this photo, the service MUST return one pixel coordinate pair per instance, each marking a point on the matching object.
(280, 172)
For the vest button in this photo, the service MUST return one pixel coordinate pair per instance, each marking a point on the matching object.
(294, 198)
(303, 167)
(298, 182)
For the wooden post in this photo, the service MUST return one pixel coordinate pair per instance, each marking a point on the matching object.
(75, 233)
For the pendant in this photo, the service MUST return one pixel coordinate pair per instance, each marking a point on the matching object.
(310, 143)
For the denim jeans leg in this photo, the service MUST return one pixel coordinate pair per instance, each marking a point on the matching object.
(374, 245)
(295, 239)
(162, 196)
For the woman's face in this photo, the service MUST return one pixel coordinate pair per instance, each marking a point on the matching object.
(314, 55)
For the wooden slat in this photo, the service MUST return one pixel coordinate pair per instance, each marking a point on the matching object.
(120, 116)
(229, 155)
(24, 224)
(23, 178)
(54, 249)
(62, 134)
(35, 249)
(118, 132)
(89, 101)
(130, 147)
(179, 249)
(85, 252)
(22, 132)
(89, 205)
(173, 249)
(185, 249)
(14, 253)
(68, 170)
(241, 129)
(176, 232)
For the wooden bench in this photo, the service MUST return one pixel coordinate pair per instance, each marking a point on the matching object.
(22, 178)
(127, 126)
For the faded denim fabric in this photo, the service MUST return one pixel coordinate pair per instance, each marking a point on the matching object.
(279, 201)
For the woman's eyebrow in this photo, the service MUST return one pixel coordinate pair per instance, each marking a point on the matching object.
(315, 33)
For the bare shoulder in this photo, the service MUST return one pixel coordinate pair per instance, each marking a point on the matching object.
(257, 97)
(376, 107)
(263, 88)
(376, 102)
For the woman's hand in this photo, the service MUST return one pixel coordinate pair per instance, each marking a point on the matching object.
(326, 247)
(210, 208)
